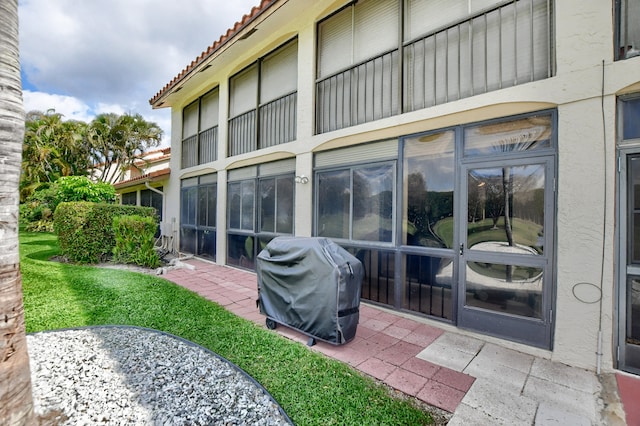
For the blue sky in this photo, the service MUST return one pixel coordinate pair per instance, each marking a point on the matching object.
(85, 57)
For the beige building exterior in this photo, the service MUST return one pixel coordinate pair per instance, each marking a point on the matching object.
(478, 156)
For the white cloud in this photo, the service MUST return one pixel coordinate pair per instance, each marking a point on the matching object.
(71, 108)
(86, 57)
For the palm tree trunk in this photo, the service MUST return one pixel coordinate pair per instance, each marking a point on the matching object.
(16, 403)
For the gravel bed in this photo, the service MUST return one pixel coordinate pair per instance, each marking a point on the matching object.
(135, 376)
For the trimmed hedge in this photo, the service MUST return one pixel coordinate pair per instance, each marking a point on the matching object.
(85, 230)
(134, 240)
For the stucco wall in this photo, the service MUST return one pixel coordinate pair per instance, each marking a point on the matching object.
(586, 167)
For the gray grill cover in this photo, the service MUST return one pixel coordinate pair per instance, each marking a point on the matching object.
(312, 285)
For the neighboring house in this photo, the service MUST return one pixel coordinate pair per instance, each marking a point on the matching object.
(143, 183)
(480, 157)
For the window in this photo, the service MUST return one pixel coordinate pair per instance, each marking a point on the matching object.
(357, 65)
(260, 201)
(130, 198)
(455, 49)
(630, 123)
(627, 29)
(198, 202)
(200, 130)
(356, 203)
(263, 102)
(149, 198)
(450, 50)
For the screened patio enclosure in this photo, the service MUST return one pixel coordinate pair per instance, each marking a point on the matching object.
(455, 224)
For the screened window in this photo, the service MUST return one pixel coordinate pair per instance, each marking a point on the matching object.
(263, 101)
(630, 121)
(198, 203)
(200, 130)
(358, 65)
(241, 199)
(260, 204)
(130, 198)
(459, 48)
(428, 186)
(276, 204)
(450, 50)
(356, 203)
(627, 28)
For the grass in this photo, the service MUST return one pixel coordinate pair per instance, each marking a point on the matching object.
(312, 389)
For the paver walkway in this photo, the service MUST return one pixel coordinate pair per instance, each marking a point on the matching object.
(476, 381)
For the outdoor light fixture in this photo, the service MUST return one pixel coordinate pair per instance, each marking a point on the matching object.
(302, 179)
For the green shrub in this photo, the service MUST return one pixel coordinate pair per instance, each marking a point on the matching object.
(134, 240)
(85, 230)
(37, 211)
(81, 188)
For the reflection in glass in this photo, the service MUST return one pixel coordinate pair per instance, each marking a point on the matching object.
(633, 311)
(267, 205)
(233, 203)
(378, 283)
(630, 121)
(526, 134)
(248, 199)
(187, 239)
(240, 251)
(634, 209)
(428, 285)
(505, 209)
(207, 205)
(207, 243)
(188, 201)
(428, 190)
(373, 203)
(334, 197)
(284, 205)
(276, 205)
(512, 289)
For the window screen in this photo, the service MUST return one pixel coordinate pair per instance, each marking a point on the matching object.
(244, 91)
(279, 73)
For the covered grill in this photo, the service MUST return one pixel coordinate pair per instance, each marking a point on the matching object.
(311, 285)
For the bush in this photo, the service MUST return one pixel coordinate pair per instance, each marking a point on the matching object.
(85, 230)
(37, 211)
(134, 236)
(81, 188)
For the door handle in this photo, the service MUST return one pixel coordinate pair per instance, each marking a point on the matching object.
(461, 249)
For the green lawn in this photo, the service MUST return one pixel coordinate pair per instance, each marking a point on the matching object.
(312, 389)
(524, 232)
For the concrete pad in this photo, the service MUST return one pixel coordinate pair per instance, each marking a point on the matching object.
(571, 377)
(499, 374)
(466, 415)
(508, 357)
(563, 398)
(452, 351)
(500, 403)
(549, 415)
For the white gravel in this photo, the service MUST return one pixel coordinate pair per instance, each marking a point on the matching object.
(136, 376)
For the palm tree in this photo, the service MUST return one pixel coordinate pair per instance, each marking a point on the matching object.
(16, 402)
(118, 142)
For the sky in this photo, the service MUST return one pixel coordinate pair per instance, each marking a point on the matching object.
(87, 57)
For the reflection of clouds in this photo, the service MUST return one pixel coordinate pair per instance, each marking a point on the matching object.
(438, 173)
(524, 177)
(378, 179)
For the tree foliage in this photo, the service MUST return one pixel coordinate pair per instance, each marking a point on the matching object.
(102, 149)
(118, 141)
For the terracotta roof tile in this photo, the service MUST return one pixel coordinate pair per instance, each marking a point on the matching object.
(231, 32)
(140, 179)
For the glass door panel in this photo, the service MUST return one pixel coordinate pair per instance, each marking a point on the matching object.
(506, 209)
(629, 308)
(504, 259)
